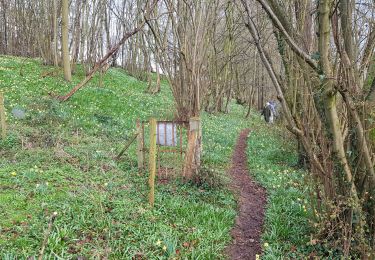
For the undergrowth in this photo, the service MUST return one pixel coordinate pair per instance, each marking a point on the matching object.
(59, 158)
(288, 232)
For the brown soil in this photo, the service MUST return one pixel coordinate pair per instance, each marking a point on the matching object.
(251, 202)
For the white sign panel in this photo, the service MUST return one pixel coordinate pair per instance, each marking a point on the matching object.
(166, 134)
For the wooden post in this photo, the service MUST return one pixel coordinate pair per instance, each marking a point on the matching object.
(194, 148)
(140, 146)
(196, 126)
(2, 117)
(126, 146)
(151, 179)
(189, 157)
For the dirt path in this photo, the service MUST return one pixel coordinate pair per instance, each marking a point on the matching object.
(251, 201)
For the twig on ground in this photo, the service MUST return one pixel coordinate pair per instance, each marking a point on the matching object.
(46, 235)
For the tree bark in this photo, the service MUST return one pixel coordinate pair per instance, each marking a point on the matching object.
(65, 38)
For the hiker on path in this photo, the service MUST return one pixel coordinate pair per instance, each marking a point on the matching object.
(268, 113)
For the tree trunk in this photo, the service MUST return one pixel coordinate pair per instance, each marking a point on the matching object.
(55, 44)
(64, 42)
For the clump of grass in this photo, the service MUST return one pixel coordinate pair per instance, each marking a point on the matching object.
(9, 142)
(210, 178)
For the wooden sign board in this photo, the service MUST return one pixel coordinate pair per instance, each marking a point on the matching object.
(166, 134)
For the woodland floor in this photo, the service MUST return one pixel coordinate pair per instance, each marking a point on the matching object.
(59, 158)
(251, 203)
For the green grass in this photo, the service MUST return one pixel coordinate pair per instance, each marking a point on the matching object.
(59, 158)
(287, 226)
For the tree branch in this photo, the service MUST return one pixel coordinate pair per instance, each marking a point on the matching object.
(109, 54)
(291, 42)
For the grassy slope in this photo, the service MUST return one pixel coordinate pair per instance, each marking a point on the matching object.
(66, 166)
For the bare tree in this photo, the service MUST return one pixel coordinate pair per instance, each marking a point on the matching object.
(329, 121)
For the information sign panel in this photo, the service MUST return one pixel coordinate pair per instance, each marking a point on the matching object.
(166, 134)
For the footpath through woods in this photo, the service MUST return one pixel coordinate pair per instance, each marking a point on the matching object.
(251, 202)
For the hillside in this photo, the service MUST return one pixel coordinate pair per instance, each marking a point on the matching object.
(59, 158)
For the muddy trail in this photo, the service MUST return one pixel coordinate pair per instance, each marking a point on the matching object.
(251, 203)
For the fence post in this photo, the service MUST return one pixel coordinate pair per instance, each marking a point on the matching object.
(193, 153)
(151, 179)
(140, 146)
(2, 117)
